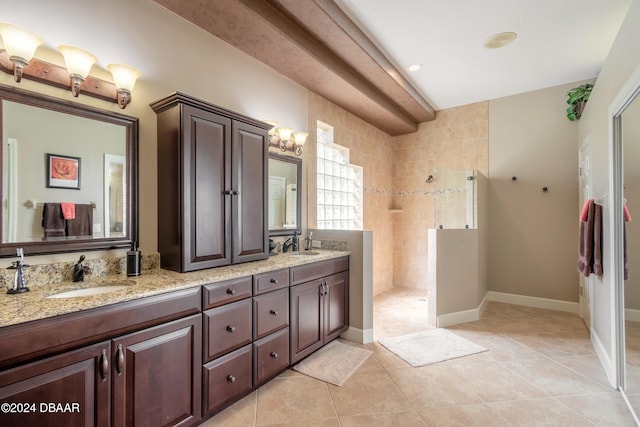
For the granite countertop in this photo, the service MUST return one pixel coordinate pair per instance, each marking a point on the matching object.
(34, 305)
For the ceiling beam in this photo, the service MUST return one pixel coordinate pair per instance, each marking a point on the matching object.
(315, 44)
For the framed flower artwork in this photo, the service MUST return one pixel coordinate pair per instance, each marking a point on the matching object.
(63, 171)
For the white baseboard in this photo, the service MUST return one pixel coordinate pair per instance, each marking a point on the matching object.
(450, 319)
(358, 335)
(632, 314)
(551, 304)
(465, 316)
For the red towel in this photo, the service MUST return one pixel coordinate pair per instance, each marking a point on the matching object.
(627, 214)
(585, 210)
(68, 210)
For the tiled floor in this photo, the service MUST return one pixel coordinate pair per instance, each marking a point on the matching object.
(540, 370)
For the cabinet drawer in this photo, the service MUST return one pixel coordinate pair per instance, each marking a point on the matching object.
(270, 312)
(316, 270)
(226, 328)
(227, 379)
(217, 294)
(265, 282)
(271, 355)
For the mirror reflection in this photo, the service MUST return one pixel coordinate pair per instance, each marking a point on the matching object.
(69, 177)
(34, 179)
(284, 197)
(631, 188)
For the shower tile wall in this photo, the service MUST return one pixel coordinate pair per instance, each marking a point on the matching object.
(373, 150)
(457, 139)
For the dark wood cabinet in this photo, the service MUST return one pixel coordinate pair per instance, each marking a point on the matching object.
(212, 185)
(227, 328)
(271, 356)
(227, 379)
(319, 307)
(174, 358)
(71, 389)
(156, 375)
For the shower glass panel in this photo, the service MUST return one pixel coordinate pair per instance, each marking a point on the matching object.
(455, 198)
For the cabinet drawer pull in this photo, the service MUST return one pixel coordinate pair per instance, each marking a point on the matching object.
(231, 328)
(274, 355)
(231, 379)
(119, 359)
(231, 291)
(235, 192)
(274, 281)
(274, 312)
(227, 192)
(104, 365)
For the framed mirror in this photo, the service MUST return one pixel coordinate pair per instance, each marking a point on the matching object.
(69, 175)
(285, 177)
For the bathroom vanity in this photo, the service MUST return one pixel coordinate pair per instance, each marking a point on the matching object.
(170, 348)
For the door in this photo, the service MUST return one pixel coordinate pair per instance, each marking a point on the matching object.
(584, 171)
(156, 375)
(307, 317)
(249, 193)
(71, 389)
(207, 185)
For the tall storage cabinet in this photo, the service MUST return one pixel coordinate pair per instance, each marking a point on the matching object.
(212, 185)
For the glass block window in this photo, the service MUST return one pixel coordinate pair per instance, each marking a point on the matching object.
(339, 184)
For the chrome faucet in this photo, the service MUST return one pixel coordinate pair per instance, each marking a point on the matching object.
(19, 282)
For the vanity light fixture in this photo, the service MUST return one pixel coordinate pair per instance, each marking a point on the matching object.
(17, 58)
(124, 77)
(79, 63)
(20, 44)
(286, 138)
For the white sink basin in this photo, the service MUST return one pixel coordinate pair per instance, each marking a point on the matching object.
(97, 290)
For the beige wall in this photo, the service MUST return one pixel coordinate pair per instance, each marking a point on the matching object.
(533, 235)
(457, 138)
(371, 149)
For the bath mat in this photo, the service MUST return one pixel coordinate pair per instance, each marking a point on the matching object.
(334, 363)
(432, 346)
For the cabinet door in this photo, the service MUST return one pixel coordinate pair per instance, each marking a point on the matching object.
(156, 375)
(336, 305)
(206, 189)
(71, 389)
(249, 193)
(306, 328)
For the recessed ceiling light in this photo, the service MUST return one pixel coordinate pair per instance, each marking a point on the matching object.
(414, 67)
(500, 40)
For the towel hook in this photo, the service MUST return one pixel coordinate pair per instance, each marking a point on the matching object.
(545, 189)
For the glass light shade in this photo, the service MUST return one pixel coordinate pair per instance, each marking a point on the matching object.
(124, 76)
(300, 138)
(77, 61)
(274, 125)
(18, 41)
(285, 133)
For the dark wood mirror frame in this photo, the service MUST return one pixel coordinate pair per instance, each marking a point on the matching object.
(298, 163)
(131, 125)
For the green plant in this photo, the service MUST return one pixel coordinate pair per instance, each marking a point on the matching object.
(577, 98)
